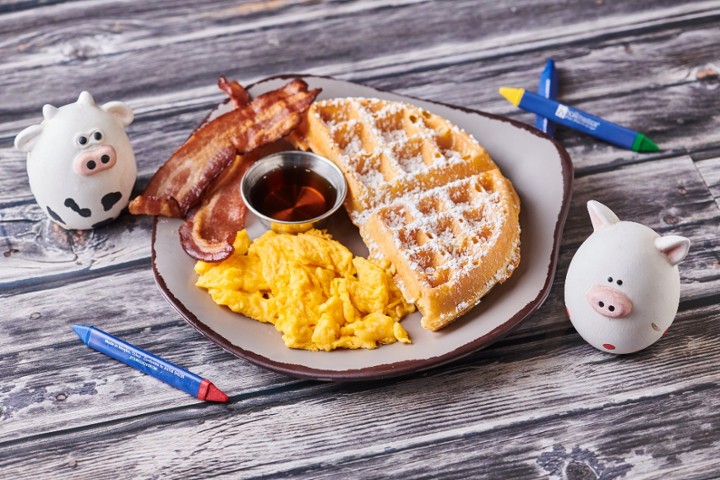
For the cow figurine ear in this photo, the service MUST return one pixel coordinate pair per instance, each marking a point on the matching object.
(674, 247)
(49, 111)
(86, 98)
(120, 111)
(25, 140)
(600, 215)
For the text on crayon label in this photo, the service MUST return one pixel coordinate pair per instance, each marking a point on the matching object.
(564, 112)
(144, 361)
(122, 348)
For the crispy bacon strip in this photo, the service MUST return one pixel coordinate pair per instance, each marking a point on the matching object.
(237, 93)
(210, 229)
(177, 186)
(209, 232)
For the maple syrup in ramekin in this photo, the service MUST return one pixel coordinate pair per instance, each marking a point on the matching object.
(293, 194)
(293, 191)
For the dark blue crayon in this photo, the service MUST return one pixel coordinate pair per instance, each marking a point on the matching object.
(148, 363)
(579, 120)
(548, 88)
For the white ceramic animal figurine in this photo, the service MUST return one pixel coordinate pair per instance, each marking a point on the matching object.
(622, 288)
(80, 162)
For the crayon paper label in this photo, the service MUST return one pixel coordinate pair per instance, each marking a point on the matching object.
(564, 112)
(145, 362)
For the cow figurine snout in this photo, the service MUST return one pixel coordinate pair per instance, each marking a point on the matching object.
(622, 288)
(80, 163)
(609, 302)
(95, 161)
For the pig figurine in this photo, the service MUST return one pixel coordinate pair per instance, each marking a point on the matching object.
(622, 288)
(80, 162)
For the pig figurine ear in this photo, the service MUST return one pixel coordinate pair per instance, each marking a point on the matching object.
(120, 111)
(25, 140)
(600, 215)
(673, 247)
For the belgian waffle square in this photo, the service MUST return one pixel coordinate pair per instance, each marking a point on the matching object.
(425, 195)
(449, 244)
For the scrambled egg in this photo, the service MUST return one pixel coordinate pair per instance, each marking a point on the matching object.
(311, 288)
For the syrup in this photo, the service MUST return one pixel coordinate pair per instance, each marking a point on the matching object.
(293, 194)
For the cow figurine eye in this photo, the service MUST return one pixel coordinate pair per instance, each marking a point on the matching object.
(98, 136)
(82, 140)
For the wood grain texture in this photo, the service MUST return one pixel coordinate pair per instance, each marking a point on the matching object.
(540, 403)
(710, 171)
(385, 415)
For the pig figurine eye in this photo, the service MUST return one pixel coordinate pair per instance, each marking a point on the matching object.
(81, 140)
(97, 136)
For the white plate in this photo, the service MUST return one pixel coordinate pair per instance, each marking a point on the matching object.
(539, 168)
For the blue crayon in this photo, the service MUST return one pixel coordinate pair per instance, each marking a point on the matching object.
(548, 88)
(148, 363)
(579, 120)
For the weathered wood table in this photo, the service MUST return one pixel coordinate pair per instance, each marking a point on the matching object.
(540, 403)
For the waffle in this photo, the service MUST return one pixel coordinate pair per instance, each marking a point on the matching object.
(425, 195)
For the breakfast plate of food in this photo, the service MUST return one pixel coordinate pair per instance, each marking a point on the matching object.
(448, 238)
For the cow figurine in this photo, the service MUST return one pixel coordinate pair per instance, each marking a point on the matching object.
(622, 288)
(80, 162)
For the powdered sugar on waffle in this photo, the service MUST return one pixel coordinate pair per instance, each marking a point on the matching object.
(388, 144)
(449, 232)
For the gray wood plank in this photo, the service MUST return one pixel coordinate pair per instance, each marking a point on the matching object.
(710, 171)
(54, 382)
(397, 38)
(469, 81)
(36, 251)
(560, 387)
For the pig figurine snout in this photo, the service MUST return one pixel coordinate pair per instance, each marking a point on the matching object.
(95, 161)
(609, 302)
